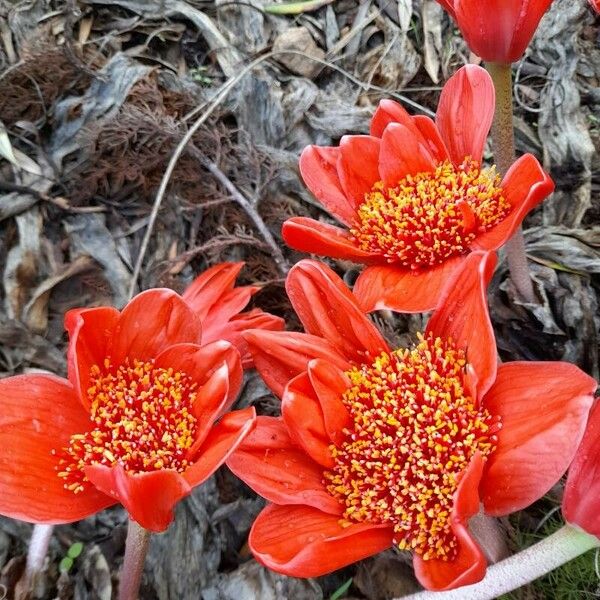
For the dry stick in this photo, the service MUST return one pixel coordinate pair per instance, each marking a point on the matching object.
(503, 140)
(246, 205)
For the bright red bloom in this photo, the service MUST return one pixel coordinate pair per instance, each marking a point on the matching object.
(581, 502)
(141, 419)
(218, 303)
(497, 30)
(378, 446)
(415, 197)
(595, 4)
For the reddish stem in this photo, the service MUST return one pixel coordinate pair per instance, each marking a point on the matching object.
(503, 141)
(136, 547)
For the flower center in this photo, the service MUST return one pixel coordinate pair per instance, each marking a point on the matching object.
(430, 216)
(416, 428)
(142, 417)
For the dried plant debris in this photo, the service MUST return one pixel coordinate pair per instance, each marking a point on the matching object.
(96, 95)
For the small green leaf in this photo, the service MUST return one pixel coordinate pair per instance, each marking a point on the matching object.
(65, 564)
(75, 550)
(341, 591)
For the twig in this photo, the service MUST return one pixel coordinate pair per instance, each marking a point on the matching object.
(208, 110)
(246, 205)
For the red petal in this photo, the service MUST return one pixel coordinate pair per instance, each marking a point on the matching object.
(329, 384)
(208, 290)
(432, 138)
(232, 331)
(318, 166)
(221, 442)
(149, 498)
(402, 153)
(302, 541)
(462, 315)
(308, 235)
(389, 111)
(277, 469)
(525, 185)
(199, 362)
(469, 565)
(328, 309)
(38, 414)
(280, 356)
(150, 323)
(358, 165)
(581, 502)
(302, 414)
(465, 112)
(544, 409)
(91, 332)
(394, 288)
(500, 32)
(448, 5)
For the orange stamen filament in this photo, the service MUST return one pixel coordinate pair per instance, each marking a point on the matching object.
(429, 217)
(416, 428)
(142, 418)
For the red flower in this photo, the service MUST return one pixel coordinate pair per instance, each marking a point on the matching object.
(595, 4)
(581, 502)
(218, 303)
(378, 446)
(134, 422)
(497, 30)
(414, 196)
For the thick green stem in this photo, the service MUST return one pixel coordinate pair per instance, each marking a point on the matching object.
(503, 141)
(136, 547)
(521, 568)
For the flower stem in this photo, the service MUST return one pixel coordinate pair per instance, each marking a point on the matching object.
(136, 547)
(37, 552)
(503, 141)
(521, 568)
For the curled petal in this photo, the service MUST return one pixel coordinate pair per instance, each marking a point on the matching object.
(280, 471)
(280, 356)
(222, 440)
(199, 362)
(525, 185)
(302, 541)
(465, 112)
(328, 309)
(469, 564)
(543, 408)
(318, 166)
(402, 153)
(395, 288)
(581, 502)
(462, 315)
(358, 165)
(390, 111)
(308, 235)
(150, 323)
(38, 415)
(91, 332)
(304, 420)
(149, 498)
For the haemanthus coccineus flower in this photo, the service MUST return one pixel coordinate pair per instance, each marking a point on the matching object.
(378, 446)
(141, 420)
(497, 30)
(415, 197)
(581, 502)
